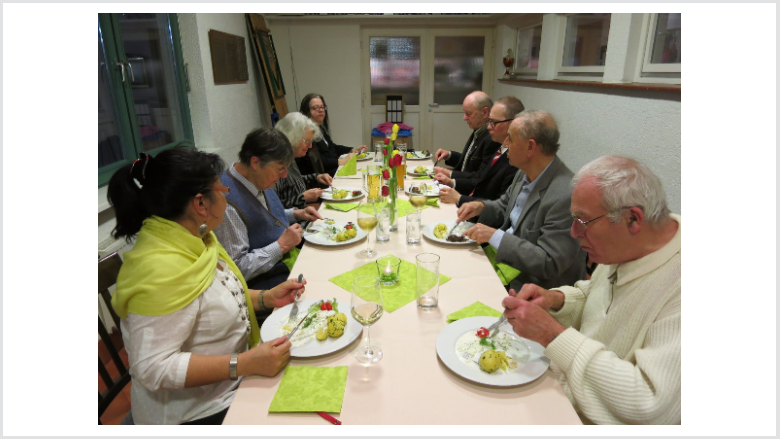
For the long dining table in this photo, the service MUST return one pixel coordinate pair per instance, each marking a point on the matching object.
(410, 385)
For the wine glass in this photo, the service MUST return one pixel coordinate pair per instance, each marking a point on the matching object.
(367, 307)
(418, 200)
(367, 223)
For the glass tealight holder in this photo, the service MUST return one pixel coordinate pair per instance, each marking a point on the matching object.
(388, 268)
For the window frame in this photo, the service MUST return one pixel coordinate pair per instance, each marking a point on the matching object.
(575, 73)
(122, 96)
(526, 72)
(647, 30)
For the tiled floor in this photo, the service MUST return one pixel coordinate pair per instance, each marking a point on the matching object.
(121, 404)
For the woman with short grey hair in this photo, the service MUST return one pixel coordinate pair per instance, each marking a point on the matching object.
(296, 190)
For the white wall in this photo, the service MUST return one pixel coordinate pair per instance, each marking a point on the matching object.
(222, 115)
(326, 60)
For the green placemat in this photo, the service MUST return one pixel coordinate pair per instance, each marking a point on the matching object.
(290, 257)
(343, 207)
(404, 207)
(476, 309)
(310, 389)
(395, 296)
(349, 168)
(504, 272)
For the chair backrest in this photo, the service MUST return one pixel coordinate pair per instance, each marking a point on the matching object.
(108, 270)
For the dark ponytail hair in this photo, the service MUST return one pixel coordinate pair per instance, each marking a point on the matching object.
(305, 108)
(160, 186)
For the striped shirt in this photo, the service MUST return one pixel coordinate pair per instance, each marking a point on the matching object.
(290, 189)
(234, 237)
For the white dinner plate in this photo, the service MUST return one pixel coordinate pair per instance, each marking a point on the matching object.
(321, 239)
(353, 329)
(428, 232)
(369, 156)
(328, 194)
(524, 372)
(428, 170)
(418, 156)
(432, 191)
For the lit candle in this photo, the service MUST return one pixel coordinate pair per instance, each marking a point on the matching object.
(389, 269)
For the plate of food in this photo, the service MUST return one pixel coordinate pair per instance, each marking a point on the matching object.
(440, 232)
(418, 155)
(363, 156)
(342, 193)
(420, 171)
(333, 233)
(504, 360)
(328, 328)
(427, 189)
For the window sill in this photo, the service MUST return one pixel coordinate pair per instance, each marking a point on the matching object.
(673, 88)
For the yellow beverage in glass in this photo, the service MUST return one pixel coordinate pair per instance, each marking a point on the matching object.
(367, 224)
(374, 187)
(401, 173)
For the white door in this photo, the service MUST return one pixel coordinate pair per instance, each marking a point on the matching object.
(434, 69)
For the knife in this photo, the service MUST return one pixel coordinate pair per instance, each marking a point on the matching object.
(289, 336)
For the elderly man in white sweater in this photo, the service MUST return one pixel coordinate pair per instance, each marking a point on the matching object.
(614, 340)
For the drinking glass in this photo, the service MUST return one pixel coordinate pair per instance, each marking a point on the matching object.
(378, 155)
(427, 281)
(374, 183)
(413, 228)
(418, 201)
(401, 173)
(383, 225)
(367, 307)
(367, 222)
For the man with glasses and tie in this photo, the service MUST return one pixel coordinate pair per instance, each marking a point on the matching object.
(479, 147)
(495, 174)
(614, 340)
(529, 224)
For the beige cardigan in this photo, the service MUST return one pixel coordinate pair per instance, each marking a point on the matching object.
(623, 366)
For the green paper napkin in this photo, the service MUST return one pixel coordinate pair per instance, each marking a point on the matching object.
(422, 177)
(404, 207)
(343, 207)
(395, 296)
(349, 168)
(476, 309)
(290, 257)
(433, 202)
(504, 272)
(310, 389)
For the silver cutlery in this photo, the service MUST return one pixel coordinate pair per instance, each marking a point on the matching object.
(493, 329)
(294, 310)
(289, 336)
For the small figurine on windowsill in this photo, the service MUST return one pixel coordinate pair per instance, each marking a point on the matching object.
(509, 60)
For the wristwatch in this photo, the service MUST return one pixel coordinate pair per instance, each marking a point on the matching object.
(234, 366)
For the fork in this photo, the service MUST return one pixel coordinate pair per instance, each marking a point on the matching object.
(294, 310)
(494, 326)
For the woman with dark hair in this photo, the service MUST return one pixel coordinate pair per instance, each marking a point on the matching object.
(183, 302)
(324, 157)
(258, 232)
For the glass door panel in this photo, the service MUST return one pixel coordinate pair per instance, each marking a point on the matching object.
(151, 72)
(110, 148)
(457, 68)
(395, 68)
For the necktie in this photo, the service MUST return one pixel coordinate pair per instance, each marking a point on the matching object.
(495, 159)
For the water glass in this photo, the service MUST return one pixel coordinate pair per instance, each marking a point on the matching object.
(413, 228)
(383, 228)
(388, 268)
(427, 281)
(378, 155)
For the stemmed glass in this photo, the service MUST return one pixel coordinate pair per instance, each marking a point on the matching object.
(367, 307)
(367, 223)
(418, 201)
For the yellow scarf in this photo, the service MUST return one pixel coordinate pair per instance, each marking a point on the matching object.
(168, 268)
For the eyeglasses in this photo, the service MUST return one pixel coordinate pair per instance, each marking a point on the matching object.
(224, 189)
(584, 224)
(308, 142)
(496, 122)
(318, 108)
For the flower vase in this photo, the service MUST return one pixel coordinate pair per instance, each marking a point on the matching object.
(392, 204)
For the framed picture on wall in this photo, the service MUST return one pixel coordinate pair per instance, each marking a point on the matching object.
(271, 65)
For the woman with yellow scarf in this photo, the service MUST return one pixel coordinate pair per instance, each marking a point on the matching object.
(184, 305)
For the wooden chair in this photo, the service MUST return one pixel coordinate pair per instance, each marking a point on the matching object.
(108, 270)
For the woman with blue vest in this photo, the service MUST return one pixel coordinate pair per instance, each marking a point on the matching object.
(258, 232)
(184, 304)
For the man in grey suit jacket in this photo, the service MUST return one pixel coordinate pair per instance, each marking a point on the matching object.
(530, 224)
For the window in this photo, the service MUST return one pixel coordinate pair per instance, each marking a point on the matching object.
(661, 60)
(395, 68)
(584, 50)
(142, 96)
(528, 43)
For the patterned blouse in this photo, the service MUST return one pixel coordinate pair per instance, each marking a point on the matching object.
(290, 189)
